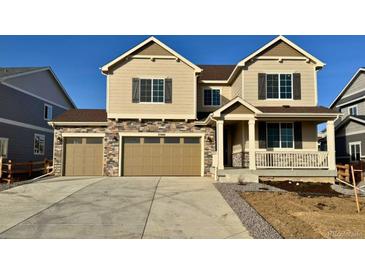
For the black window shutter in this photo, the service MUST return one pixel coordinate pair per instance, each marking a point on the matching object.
(297, 90)
(298, 143)
(168, 90)
(262, 134)
(135, 90)
(262, 86)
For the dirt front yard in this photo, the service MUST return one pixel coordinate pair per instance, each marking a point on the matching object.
(310, 216)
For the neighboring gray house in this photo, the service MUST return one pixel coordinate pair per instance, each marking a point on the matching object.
(350, 128)
(29, 98)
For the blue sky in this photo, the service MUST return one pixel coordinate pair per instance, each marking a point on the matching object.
(76, 59)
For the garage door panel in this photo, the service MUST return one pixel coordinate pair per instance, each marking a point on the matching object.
(170, 156)
(83, 156)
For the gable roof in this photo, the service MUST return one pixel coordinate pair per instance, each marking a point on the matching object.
(358, 118)
(218, 112)
(215, 72)
(13, 72)
(106, 67)
(318, 62)
(7, 72)
(360, 70)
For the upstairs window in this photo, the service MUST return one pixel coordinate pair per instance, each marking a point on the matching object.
(152, 90)
(212, 97)
(48, 109)
(279, 86)
(353, 110)
(4, 147)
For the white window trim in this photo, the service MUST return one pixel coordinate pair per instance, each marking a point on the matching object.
(352, 107)
(279, 98)
(355, 143)
(44, 112)
(279, 148)
(44, 144)
(7, 147)
(164, 86)
(220, 96)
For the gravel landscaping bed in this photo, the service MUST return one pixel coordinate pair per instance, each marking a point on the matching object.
(258, 227)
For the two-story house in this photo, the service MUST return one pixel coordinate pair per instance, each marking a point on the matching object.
(166, 116)
(29, 98)
(350, 128)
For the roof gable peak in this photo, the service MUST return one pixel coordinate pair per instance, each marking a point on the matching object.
(106, 67)
(319, 63)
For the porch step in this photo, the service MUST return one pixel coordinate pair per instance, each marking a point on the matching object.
(237, 176)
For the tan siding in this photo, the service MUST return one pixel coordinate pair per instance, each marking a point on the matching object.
(120, 87)
(281, 49)
(237, 86)
(250, 81)
(226, 96)
(152, 49)
(357, 85)
(309, 134)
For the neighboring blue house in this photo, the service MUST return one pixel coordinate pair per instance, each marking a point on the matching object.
(29, 98)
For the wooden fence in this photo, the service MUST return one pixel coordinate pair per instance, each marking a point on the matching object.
(344, 173)
(9, 169)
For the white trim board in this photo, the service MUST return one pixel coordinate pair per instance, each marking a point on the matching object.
(80, 134)
(78, 123)
(35, 96)
(24, 125)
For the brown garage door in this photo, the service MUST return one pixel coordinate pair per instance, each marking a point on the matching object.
(165, 156)
(83, 156)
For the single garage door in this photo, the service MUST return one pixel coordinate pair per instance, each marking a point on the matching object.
(83, 156)
(161, 156)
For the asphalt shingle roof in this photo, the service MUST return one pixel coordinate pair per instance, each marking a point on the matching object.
(82, 115)
(216, 72)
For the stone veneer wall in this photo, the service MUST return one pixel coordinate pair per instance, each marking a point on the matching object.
(58, 143)
(240, 159)
(111, 140)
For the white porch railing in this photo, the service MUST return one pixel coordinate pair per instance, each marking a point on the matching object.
(292, 159)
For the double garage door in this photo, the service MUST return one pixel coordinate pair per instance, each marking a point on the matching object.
(161, 156)
(141, 156)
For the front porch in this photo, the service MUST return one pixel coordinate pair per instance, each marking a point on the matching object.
(277, 145)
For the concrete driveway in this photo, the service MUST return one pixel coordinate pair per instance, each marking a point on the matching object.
(119, 207)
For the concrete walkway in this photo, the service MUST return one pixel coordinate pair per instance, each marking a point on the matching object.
(119, 207)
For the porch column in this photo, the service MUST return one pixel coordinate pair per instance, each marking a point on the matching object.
(220, 144)
(251, 142)
(331, 145)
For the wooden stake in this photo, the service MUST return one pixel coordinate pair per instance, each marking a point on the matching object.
(354, 183)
